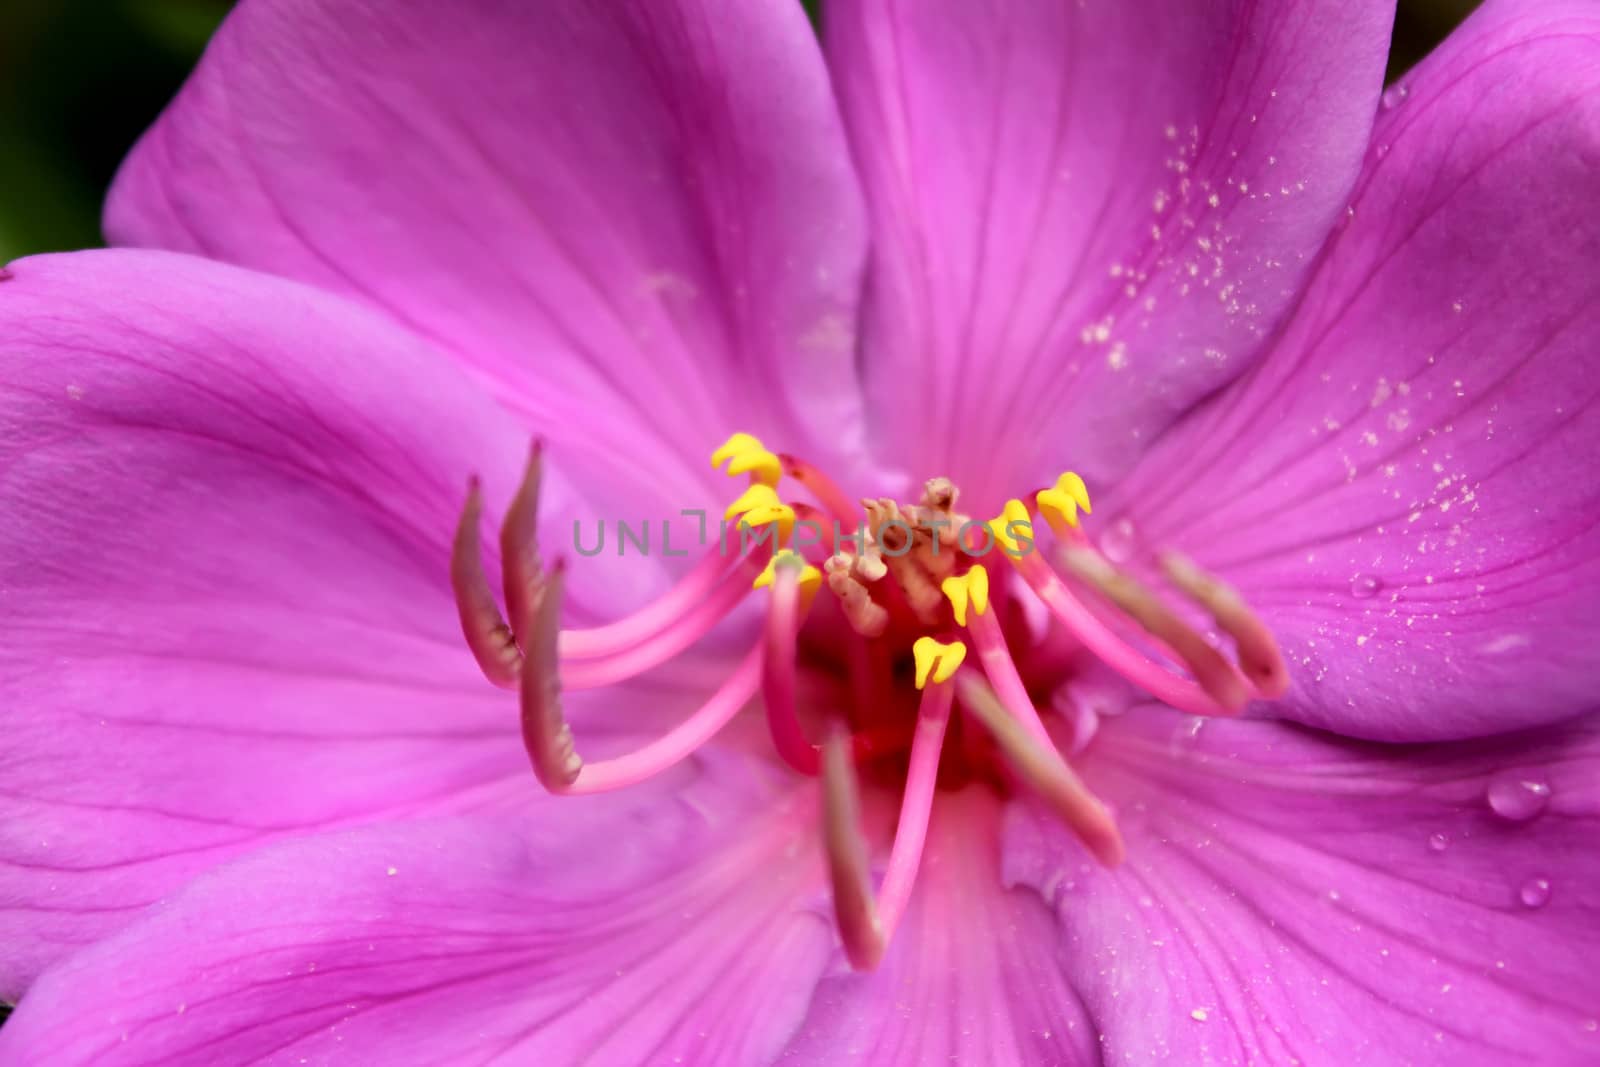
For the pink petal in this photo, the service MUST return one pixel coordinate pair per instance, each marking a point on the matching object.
(640, 210)
(1405, 487)
(224, 566)
(688, 937)
(1052, 278)
(973, 975)
(1295, 897)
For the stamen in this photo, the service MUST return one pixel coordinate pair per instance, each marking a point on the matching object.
(778, 675)
(866, 927)
(1061, 502)
(636, 659)
(1180, 692)
(794, 583)
(1042, 769)
(488, 637)
(969, 589)
(545, 732)
(1002, 672)
(691, 590)
(745, 454)
(1258, 649)
(520, 567)
(828, 494)
(936, 659)
(846, 846)
(916, 803)
(680, 742)
(969, 601)
(1210, 668)
(760, 505)
(1013, 530)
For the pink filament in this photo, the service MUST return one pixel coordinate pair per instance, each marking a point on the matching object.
(1116, 653)
(916, 804)
(652, 652)
(778, 675)
(1003, 675)
(678, 743)
(825, 489)
(608, 640)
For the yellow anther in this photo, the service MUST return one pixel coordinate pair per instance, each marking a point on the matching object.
(1058, 509)
(763, 467)
(937, 658)
(1013, 530)
(759, 506)
(757, 496)
(736, 445)
(745, 454)
(810, 578)
(969, 588)
(1061, 503)
(1072, 485)
(782, 514)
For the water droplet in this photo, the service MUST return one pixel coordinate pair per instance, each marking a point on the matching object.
(1381, 151)
(1535, 892)
(1118, 541)
(1438, 843)
(1518, 796)
(1394, 96)
(1365, 586)
(1188, 730)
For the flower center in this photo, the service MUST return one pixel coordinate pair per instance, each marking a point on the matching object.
(911, 588)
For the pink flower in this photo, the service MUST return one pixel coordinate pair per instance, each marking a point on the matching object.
(262, 807)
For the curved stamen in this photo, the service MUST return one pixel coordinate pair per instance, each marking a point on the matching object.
(488, 637)
(1229, 690)
(1259, 655)
(520, 568)
(827, 492)
(778, 676)
(680, 742)
(645, 655)
(596, 642)
(1042, 769)
(1211, 669)
(1003, 675)
(866, 926)
(545, 732)
(848, 869)
(916, 804)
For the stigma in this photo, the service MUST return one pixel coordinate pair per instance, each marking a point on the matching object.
(914, 594)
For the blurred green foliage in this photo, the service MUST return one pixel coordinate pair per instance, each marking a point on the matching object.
(81, 79)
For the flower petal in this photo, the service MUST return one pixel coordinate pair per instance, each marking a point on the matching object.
(1404, 488)
(690, 935)
(1294, 897)
(1087, 216)
(973, 974)
(224, 565)
(645, 211)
